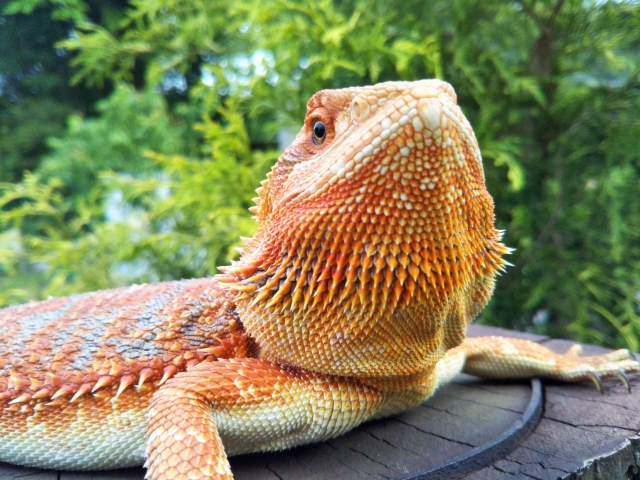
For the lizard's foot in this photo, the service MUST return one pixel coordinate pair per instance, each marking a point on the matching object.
(571, 366)
(499, 357)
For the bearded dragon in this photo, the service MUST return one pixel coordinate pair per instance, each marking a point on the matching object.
(375, 248)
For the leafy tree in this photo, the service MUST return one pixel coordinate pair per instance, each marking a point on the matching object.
(175, 218)
(551, 86)
(35, 92)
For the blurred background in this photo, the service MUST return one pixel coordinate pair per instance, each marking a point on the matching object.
(133, 134)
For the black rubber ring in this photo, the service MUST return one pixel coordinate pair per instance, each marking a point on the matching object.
(494, 450)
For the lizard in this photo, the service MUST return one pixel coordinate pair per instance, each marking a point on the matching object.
(375, 248)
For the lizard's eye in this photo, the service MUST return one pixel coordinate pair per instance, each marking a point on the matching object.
(319, 133)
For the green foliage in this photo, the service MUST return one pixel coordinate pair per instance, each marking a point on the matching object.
(180, 221)
(30, 81)
(35, 95)
(63, 9)
(128, 124)
(551, 87)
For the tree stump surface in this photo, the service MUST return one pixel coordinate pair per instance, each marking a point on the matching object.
(473, 428)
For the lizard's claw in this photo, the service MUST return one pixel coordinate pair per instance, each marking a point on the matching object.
(615, 364)
(595, 378)
(623, 378)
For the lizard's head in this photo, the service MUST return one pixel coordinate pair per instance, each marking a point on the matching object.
(375, 222)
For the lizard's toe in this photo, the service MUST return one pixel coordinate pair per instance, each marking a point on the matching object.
(618, 355)
(618, 369)
(574, 351)
(615, 364)
(623, 378)
(595, 378)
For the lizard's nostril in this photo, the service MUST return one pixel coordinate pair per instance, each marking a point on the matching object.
(360, 109)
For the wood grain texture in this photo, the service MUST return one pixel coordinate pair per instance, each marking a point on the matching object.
(582, 435)
(578, 424)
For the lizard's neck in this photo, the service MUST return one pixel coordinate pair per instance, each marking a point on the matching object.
(358, 292)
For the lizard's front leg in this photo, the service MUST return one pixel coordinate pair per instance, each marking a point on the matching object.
(238, 406)
(502, 357)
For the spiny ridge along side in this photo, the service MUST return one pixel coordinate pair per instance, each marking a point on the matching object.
(159, 330)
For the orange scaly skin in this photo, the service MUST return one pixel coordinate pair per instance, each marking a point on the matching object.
(375, 248)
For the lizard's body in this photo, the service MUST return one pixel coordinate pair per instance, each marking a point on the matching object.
(111, 337)
(375, 248)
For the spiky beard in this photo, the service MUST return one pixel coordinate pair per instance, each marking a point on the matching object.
(355, 293)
